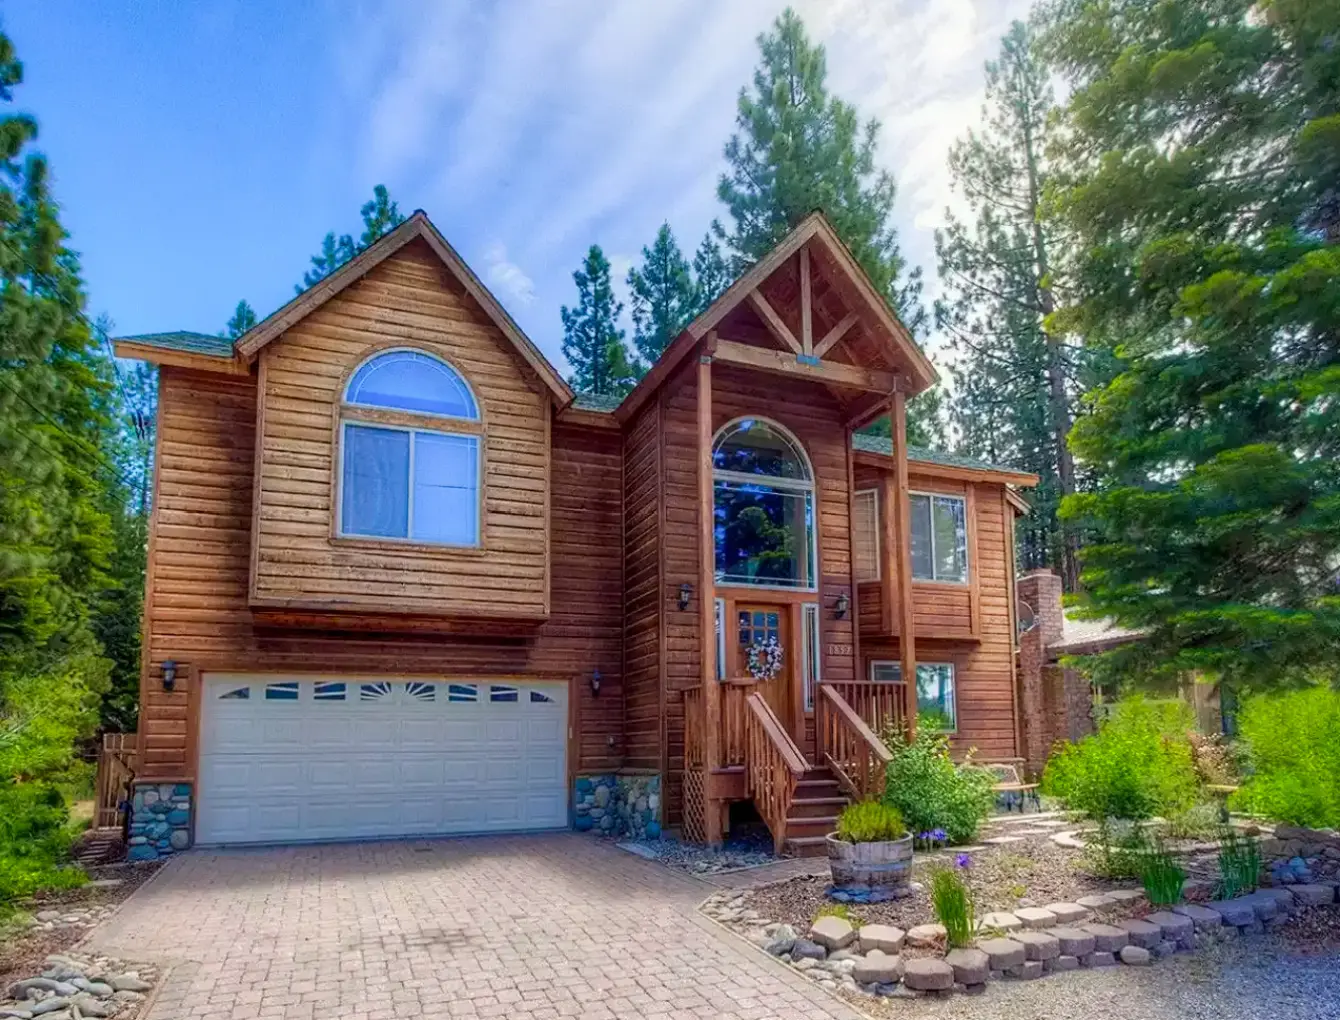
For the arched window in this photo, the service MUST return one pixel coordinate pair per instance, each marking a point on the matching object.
(764, 507)
(409, 479)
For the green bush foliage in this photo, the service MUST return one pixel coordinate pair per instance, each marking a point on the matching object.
(954, 907)
(931, 791)
(34, 842)
(1138, 764)
(870, 822)
(1294, 756)
(1162, 876)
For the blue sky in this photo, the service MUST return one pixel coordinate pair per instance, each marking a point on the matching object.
(201, 150)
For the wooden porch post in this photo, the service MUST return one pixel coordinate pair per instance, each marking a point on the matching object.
(902, 505)
(707, 593)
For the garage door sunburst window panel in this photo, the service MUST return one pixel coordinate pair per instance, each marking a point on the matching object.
(418, 481)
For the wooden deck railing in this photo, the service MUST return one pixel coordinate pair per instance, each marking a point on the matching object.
(849, 746)
(117, 760)
(695, 729)
(880, 706)
(733, 712)
(773, 766)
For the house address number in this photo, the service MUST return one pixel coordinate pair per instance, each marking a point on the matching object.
(839, 649)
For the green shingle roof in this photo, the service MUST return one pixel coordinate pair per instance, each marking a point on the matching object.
(184, 340)
(596, 402)
(883, 444)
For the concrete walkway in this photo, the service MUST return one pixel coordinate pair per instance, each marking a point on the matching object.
(524, 927)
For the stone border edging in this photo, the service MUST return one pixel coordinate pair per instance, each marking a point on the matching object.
(1043, 942)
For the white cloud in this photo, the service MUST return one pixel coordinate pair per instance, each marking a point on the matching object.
(505, 276)
(536, 128)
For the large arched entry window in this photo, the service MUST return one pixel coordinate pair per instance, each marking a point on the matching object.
(764, 507)
(413, 475)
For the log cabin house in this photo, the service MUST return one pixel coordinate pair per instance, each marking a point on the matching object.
(403, 581)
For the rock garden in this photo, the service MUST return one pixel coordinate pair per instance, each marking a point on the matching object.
(75, 985)
(932, 891)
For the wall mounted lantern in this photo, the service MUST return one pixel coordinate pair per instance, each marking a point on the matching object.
(841, 606)
(169, 675)
(685, 593)
(595, 683)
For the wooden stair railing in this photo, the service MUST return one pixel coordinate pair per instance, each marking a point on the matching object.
(881, 706)
(849, 746)
(773, 766)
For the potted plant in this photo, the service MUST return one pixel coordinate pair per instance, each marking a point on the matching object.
(870, 854)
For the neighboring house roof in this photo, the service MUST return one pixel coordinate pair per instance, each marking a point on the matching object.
(1084, 637)
(184, 341)
(883, 445)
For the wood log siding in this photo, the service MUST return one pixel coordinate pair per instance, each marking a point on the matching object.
(197, 612)
(407, 301)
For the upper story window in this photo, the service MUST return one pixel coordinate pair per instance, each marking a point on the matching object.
(764, 508)
(939, 538)
(865, 534)
(410, 476)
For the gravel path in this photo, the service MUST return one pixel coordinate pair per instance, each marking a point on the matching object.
(1243, 981)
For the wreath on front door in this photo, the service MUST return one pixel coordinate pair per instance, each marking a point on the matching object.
(764, 660)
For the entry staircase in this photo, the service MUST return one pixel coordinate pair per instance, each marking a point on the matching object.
(799, 800)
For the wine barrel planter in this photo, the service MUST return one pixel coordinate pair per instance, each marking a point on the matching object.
(883, 865)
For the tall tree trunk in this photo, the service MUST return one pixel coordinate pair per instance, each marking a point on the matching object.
(1058, 398)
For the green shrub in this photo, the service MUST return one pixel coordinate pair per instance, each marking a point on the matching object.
(1293, 756)
(954, 907)
(1139, 763)
(34, 842)
(931, 791)
(1162, 877)
(1239, 864)
(870, 822)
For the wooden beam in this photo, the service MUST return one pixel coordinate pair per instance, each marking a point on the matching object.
(903, 528)
(829, 373)
(934, 469)
(888, 553)
(806, 307)
(707, 592)
(180, 359)
(773, 321)
(835, 334)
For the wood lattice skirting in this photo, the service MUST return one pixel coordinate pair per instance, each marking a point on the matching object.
(695, 805)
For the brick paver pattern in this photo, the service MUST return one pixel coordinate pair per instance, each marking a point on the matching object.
(523, 927)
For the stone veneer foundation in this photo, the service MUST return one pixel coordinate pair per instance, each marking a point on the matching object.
(160, 820)
(622, 804)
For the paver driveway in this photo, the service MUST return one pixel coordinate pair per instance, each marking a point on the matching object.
(522, 927)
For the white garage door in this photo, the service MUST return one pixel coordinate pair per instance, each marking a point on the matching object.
(284, 759)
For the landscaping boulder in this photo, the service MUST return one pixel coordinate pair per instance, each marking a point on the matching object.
(1036, 917)
(927, 974)
(1068, 913)
(804, 949)
(1141, 933)
(884, 937)
(1135, 956)
(1038, 945)
(1073, 941)
(877, 968)
(1106, 938)
(833, 932)
(1239, 912)
(779, 941)
(1003, 954)
(971, 966)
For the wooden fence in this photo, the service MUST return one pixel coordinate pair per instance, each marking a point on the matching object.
(117, 761)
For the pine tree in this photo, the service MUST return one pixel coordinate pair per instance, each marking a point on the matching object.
(57, 481)
(663, 296)
(244, 317)
(1015, 384)
(1197, 171)
(796, 149)
(593, 343)
(380, 215)
(711, 274)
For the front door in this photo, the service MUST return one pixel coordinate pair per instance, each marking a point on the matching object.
(760, 626)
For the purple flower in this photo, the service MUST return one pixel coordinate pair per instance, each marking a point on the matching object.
(939, 835)
(963, 861)
(925, 837)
